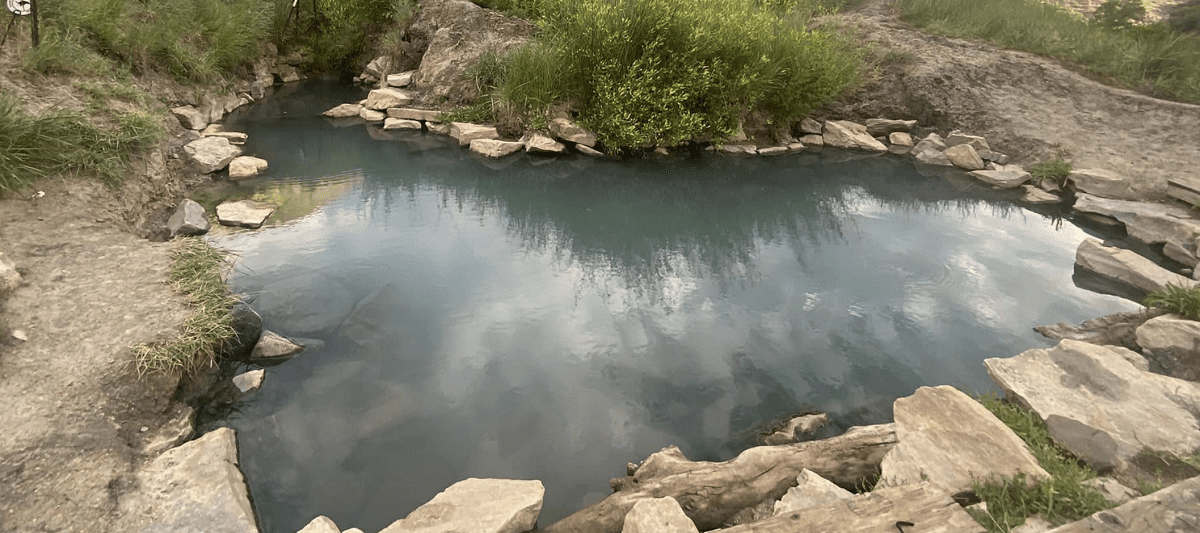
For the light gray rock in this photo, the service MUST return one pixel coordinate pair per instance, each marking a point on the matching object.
(320, 524)
(951, 440)
(1173, 343)
(588, 150)
(408, 113)
(400, 124)
(195, 487)
(809, 126)
(1117, 329)
(1170, 510)
(244, 213)
(248, 382)
(811, 490)
(1127, 267)
(566, 130)
(743, 149)
(795, 146)
(344, 111)
(1151, 223)
(957, 138)
(273, 349)
(1102, 183)
(371, 115)
(379, 67)
(245, 166)
(1185, 189)
(795, 428)
(813, 140)
(1033, 524)
(899, 150)
(1097, 387)
(901, 138)
(459, 33)
(188, 219)
(1112, 490)
(403, 79)
(10, 279)
(478, 506)
(1034, 195)
(658, 515)
(537, 143)
(932, 141)
(846, 134)
(234, 137)
(210, 154)
(370, 323)
(1004, 179)
(438, 128)
(773, 150)
(933, 157)
(883, 126)
(494, 148)
(1092, 446)
(964, 156)
(190, 117)
(465, 132)
(382, 99)
(175, 432)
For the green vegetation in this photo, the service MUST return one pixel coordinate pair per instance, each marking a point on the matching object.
(1062, 498)
(196, 271)
(32, 147)
(1055, 170)
(1178, 300)
(658, 72)
(1151, 58)
(1185, 17)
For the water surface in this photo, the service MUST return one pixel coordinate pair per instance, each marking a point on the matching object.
(557, 318)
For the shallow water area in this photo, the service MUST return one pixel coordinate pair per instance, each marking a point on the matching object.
(555, 318)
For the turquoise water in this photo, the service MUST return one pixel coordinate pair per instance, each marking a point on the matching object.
(557, 318)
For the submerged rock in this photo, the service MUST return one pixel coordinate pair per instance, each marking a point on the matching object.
(273, 349)
(248, 382)
(952, 441)
(305, 303)
(658, 515)
(188, 219)
(1127, 267)
(1097, 395)
(797, 427)
(478, 506)
(244, 213)
(846, 134)
(210, 154)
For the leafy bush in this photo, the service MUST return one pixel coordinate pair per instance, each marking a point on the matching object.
(657, 72)
(67, 141)
(339, 32)
(1120, 14)
(1178, 300)
(1185, 17)
(1150, 58)
(1054, 170)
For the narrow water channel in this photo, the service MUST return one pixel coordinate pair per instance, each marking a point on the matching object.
(556, 318)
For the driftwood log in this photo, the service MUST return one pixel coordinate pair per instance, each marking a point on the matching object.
(710, 493)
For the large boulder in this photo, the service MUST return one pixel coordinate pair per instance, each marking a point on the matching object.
(245, 166)
(811, 490)
(538, 143)
(964, 156)
(1004, 179)
(1173, 344)
(1098, 404)
(1103, 183)
(210, 154)
(932, 141)
(952, 441)
(195, 487)
(957, 138)
(1169, 510)
(846, 134)
(244, 213)
(190, 117)
(478, 506)
(382, 99)
(658, 515)
(1151, 223)
(465, 132)
(566, 130)
(450, 36)
(883, 509)
(1127, 267)
(188, 219)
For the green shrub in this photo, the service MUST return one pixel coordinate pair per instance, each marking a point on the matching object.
(1185, 17)
(67, 141)
(1120, 14)
(657, 72)
(1055, 170)
(1150, 58)
(1059, 499)
(1178, 300)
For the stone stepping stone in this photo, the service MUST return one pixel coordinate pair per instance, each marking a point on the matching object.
(244, 213)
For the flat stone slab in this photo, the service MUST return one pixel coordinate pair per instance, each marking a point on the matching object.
(1173, 343)
(1170, 510)
(846, 134)
(478, 506)
(566, 130)
(924, 505)
(195, 487)
(400, 124)
(538, 143)
(210, 154)
(1151, 223)
(882, 126)
(244, 213)
(1035, 195)
(957, 138)
(1004, 179)
(495, 148)
(1127, 267)
(273, 348)
(811, 490)
(658, 515)
(1186, 189)
(343, 111)
(408, 113)
(1097, 396)
(382, 99)
(190, 117)
(964, 156)
(465, 132)
(1102, 183)
(245, 166)
(951, 440)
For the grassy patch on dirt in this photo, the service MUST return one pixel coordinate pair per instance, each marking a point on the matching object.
(1151, 58)
(1178, 300)
(1062, 498)
(33, 147)
(1055, 170)
(196, 271)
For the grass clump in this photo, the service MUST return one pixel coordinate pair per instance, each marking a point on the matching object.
(1055, 170)
(196, 269)
(658, 72)
(32, 147)
(1060, 499)
(1178, 300)
(1151, 58)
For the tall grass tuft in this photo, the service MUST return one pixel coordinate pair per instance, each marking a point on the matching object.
(657, 72)
(1150, 58)
(1178, 300)
(33, 147)
(196, 271)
